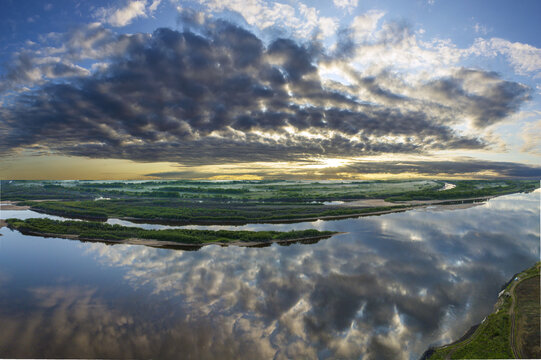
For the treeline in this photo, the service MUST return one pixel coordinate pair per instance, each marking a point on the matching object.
(101, 231)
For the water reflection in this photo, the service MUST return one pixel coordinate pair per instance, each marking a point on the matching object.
(390, 287)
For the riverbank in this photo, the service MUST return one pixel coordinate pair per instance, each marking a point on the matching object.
(500, 335)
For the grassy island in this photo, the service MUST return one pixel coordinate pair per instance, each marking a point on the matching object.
(87, 230)
(182, 212)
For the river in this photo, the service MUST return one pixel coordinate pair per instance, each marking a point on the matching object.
(388, 287)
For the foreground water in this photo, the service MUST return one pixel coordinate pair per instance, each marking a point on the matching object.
(388, 288)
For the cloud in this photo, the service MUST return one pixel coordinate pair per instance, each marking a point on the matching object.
(480, 29)
(58, 59)
(123, 16)
(300, 21)
(463, 167)
(348, 5)
(525, 59)
(217, 92)
(485, 98)
(373, 47)
(365, 25)
(28, 69)
(531, 136)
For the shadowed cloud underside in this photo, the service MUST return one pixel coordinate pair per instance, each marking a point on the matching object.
(215, 93)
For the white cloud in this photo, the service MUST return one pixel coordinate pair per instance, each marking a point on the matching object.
(395, 46)
(154, 5)
(348, 5)
(303, 21)
(365, 25)
(255, 12)
(125, 15)
(480, 29)
(524, 58)
(531, 137)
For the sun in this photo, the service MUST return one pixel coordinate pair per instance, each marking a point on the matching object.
(322, 163)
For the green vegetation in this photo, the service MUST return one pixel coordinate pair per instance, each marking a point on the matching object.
(101, 231)
(491, 340)
(187, 212)
(527, 318)
(240, 191)
(236, 202)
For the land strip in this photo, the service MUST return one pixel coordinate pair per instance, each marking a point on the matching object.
(243, 202)
(115, 234)
(103, 210)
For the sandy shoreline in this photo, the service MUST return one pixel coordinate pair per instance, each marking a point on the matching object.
(12, 205)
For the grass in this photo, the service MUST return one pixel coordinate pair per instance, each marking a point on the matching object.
(269, 191)
(101, 231)
(186, 212)
(527, 317)
(235, 202)
(492, 339)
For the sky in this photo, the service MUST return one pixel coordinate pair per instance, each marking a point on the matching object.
(254, 89)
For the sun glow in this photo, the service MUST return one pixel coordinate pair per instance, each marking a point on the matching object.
(329, 162)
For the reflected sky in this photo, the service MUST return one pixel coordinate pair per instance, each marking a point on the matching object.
(388, 288)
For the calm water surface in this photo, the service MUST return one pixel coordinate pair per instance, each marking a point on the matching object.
(388, 288)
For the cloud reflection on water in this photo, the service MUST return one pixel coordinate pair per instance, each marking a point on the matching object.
(390, 287)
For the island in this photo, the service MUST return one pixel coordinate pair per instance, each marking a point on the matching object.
(114, 234)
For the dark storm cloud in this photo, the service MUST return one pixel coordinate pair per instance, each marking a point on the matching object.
(215, 92)
(487, 105)
(466, 167)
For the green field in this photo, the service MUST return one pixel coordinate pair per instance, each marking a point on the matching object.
(100, 231)
(256, 191)
(236, 202)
